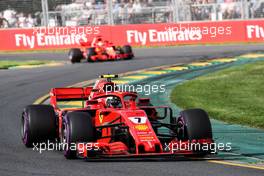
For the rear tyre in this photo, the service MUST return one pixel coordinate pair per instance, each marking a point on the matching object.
(75, 55)
(90, 52)
(77, 127)
(127, 49)
(38, 124)
(195, 124)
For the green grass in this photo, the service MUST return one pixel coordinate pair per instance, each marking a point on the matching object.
(35, 51)
(8, 64)
(234, 95)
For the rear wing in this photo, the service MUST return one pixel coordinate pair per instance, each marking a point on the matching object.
(69, 94)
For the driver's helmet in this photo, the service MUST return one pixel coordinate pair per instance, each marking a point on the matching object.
(113, 102)
(100, 43)
(99, 38)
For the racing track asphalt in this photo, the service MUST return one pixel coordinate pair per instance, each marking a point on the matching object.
(21, 87)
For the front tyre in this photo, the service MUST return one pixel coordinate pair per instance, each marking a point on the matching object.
(75, 55)
(127, 49)
(194, 125)
(77, 127)
(90, 53)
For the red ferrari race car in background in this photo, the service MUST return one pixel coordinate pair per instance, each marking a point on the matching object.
(114, 124)
(99, 50)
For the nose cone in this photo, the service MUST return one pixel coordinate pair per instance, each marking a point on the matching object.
(149, 147)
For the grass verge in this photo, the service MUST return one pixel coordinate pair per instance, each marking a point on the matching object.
(35, 51)
(8, 64)
(234, 95)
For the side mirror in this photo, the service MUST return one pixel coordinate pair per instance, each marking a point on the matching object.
(95, 90)
(143, 101)
(104, 112)
(91, 102)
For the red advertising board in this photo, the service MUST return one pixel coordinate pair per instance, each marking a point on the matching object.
(136, 35)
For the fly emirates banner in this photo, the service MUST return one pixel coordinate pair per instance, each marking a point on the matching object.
(38, 38)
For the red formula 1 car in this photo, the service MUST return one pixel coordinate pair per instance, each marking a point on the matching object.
(99, 50)
(114, 123)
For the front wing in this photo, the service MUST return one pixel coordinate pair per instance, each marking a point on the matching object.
(119, 150)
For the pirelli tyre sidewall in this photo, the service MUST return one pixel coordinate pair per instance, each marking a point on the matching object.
(127, 49)
(196, 124)
(77, 127)
(75, 55)
(90, 52)
(38, 124)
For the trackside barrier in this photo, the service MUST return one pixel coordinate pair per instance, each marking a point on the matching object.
(136, 35)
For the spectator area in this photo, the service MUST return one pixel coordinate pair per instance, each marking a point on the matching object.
(28, 13)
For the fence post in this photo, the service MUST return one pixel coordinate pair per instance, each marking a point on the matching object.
(45, 12)
(110, 12)
(245, 9)
(175, 11)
